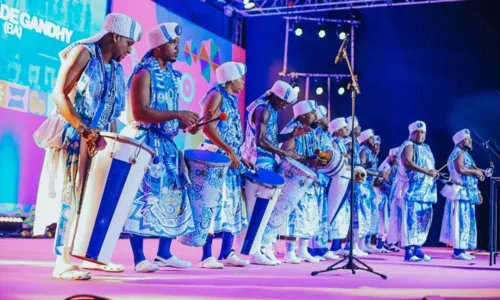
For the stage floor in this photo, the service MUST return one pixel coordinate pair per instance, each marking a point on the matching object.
(26, 266)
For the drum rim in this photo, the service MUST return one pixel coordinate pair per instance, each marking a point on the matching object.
(215, 164)
(266, 184)
(312, 174)
(127, 140)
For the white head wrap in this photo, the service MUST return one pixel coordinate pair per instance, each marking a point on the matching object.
(284, 91)
(113, 23)
(460, 136)
(416, 126)
(321, 112)
(377, 139)
(230, 71)
(394, 151)
(337, 124)
(303, 107)
(163, 33)
(365, 135)
(349, 122)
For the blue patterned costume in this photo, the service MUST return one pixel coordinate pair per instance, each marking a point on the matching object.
(161, 206)
(369, 191)
(413, 195)
(459, 219)
(362, 206)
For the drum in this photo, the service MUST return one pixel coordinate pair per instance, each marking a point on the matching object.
(298, 180)
(335, 165)
(262, 189)
(112, 183)
(206, 171)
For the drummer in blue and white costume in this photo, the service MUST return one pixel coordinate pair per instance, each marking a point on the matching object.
(161, 207)
(383, 191)
(262, 140)
(414, 192)
(303, 222)
(226, 138)
(339, 190)
(319, 244)
(361, 220)
(459, 219)
(90, 95)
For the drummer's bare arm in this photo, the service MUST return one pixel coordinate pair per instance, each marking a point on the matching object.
(140, 100)
(407, 160)
(261, 118)
(70, 72)
(297, 131)
(462, 169)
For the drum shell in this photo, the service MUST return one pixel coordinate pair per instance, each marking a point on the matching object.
(113, 180)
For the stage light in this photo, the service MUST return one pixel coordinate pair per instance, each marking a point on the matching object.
(319, 90)
(249, 5)
(342, 31)
(298, 31)
(246, 1)
(341, 90)
(321, 31)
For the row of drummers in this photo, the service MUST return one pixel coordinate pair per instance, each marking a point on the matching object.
(301, 193)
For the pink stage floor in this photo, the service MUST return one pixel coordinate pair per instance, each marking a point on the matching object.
(26, 265)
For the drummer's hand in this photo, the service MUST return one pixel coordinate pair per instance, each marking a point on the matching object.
(479, 174)
(317, 162)
(291, 154)
(297, 131)
(249, 164)
(235, 160)
(433, 173)
(187, 118)
(194, 130)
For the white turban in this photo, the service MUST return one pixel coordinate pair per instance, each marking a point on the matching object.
(416, 126)
(114, 23)
(460, 136)
(303, 107)
(321, 112)
(394, 151)
(337, 124)
(230, 71)
(163, 33)
(284, 91)
(349, 122)
(365, 134)
(377, 139)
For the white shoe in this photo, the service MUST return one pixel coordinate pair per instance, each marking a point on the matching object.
(234, 260)
(291, 258)
(470, 255)
(321, 258)
(308, 257)
(260, 258)
(330, 255)
(211, 263)
(110, 267)
(172, 262)
(461, 256)
(70, 272)
(373, 248)
(364, 248)
(146, 267)
(358, 253)
(270, 255)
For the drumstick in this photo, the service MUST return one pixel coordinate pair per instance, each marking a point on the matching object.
(208, 115)
(440, 169)
(222, 117)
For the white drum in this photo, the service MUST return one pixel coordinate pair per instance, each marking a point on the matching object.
(112, 183)
(262, 189)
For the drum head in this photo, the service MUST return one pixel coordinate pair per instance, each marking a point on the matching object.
(265, 177)
(207, 157)
(308, 172)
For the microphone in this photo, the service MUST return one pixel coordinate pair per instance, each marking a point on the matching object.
(342, 47)
(222, 117)
(208, 115)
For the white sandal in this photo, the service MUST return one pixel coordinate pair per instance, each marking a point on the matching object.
(111, 267)
(72, 273)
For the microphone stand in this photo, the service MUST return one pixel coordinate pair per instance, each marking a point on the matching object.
(350, 259)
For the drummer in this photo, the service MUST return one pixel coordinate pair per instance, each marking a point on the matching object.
(86, 65)
(305, 145)
(226, 138)
(154, 103)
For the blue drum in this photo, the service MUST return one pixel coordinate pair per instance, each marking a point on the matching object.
(206, 171)
(262, 189)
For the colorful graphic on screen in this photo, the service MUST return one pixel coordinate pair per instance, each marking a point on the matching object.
(31, 35)
(201, 53)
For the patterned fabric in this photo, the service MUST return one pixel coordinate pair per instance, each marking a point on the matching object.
(413, 194)
(250, 150)
(161, 206)
(362, 206)
(99, 100)
(368, 187)
(458, 227)
(230, 215)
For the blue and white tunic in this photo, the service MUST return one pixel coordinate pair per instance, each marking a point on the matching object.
(459, 220)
